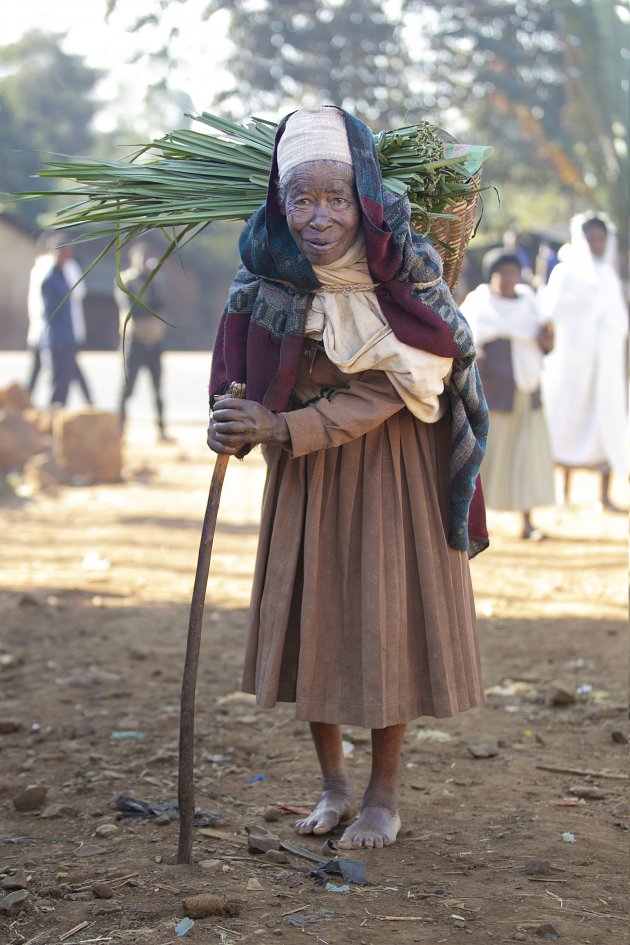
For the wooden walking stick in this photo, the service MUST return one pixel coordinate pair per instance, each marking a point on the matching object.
(185, 788)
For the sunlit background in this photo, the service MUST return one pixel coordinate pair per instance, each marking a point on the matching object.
(545, 84)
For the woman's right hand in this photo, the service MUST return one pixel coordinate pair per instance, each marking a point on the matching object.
(237, 423)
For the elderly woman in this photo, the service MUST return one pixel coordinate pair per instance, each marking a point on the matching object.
(362, 387)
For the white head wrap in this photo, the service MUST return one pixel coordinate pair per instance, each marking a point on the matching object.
(313, 133)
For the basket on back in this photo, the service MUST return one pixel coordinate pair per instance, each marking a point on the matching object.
(451, 237)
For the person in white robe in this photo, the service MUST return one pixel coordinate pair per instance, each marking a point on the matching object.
(512, 340)
(585, 385)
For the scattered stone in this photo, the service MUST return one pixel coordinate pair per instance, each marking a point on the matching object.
(106, 830)
(14, 903)
(102, 891)
(519, 937)
(621, 809)
(547, 931)
(262, 844)
(588, 791)
(162, 820)
(482, 750)
(15, 397)
(277, 856)
(253, 885)
(58, 810)
(559, 694)
(107, 908)
(232, 908)
(619, 737)
(210, 866)
(537, 868)
(89, 849)
(272, 814)
(31, 798)
(9, 725)
(52, 892)
(203, 905)
(19, 880)
(19, 440)
(88, 443)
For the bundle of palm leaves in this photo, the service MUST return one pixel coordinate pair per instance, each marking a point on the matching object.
(187, 179)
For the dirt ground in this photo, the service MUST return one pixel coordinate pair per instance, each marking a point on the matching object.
(94, 599)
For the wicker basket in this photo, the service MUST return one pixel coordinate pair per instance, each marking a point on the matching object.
(454, 233)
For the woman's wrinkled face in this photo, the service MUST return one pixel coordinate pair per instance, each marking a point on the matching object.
(322, 211)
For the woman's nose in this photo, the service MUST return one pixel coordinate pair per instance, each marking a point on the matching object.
(321, 217)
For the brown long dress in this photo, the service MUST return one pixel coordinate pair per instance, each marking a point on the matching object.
(361, 613)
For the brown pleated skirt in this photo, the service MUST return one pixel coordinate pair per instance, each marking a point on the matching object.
(361, 614)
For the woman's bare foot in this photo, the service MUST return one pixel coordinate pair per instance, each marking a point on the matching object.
(334, 805)
(375, 827)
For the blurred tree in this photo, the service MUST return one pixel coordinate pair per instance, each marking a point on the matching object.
(546, 83)
(45, 106)
(290, 52)
(348, 52)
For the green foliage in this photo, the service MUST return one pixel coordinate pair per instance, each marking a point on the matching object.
(45, 106)
(547, 83)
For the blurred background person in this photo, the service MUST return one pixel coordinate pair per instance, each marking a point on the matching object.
(511, 341)
(143, 334)
(42, 265)
(45, 261)
(73, 276)
(58, 342)
(546, 261)
(585, 379)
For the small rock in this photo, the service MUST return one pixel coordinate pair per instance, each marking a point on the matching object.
(102, 891)
(9, 725)
(58, 810)
(272, 814)
(547, 931)
(106, 830)
(262, 844)
(31, 798)
(482, 750)
(52, 892)
(232, 908)
(621, 809)
(619, 737)
(107, 908)
(14, 903)
(519, 937)
(19, 880)
(537, 868)
(253, 885)
(89, 849)
(210, 866)
(162, 820)
(203, 905)
(559, 694)
(277, 856)
(588, 791)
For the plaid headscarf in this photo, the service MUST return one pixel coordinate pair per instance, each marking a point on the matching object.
(261, 332)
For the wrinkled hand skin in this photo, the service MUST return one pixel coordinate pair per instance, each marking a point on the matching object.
(237, 423)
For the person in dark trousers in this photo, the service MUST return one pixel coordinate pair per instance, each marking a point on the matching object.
(142, 333)
(58, 337)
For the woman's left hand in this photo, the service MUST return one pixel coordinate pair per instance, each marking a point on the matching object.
(237, 423)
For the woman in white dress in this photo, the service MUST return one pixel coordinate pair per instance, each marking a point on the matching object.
(585, 383)
(511, 341)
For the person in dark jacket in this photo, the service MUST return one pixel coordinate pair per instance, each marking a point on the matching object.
(58, 337)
